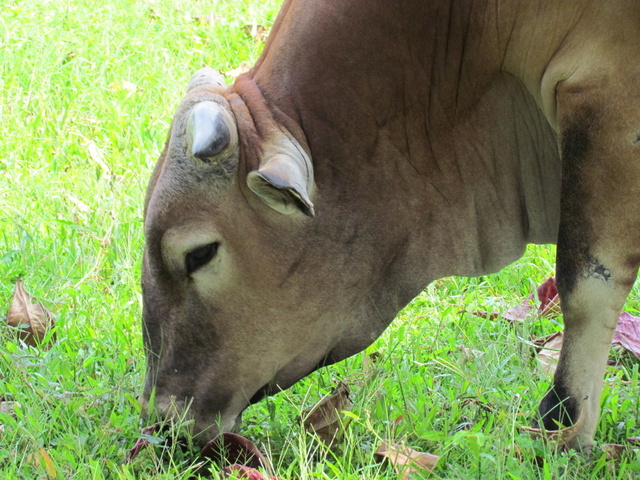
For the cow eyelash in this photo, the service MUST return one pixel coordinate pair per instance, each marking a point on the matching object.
(199, 257)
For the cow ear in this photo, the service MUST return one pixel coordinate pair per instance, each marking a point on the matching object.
(283, 182)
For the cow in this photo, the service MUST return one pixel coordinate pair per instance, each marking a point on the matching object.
(377, 146)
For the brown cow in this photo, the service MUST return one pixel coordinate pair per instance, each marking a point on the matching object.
(377, 146)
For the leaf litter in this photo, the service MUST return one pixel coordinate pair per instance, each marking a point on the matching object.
(32, 320)
(405, 460)
(325, 418)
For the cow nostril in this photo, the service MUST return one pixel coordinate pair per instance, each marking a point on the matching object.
(199, 257)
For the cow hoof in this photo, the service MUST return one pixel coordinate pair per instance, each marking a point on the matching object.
(554, 414)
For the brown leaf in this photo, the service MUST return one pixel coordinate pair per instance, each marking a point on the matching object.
(48, 464)
(257, 32)
(549, 353)
(29, 316)
(141, 443)
(369, 362)
(230, 448)
(614, 451)
(9, 409)
(324, 418)
(634, 440)
(244, 67)
(405, 460)
(482, 314)
(207, 19)
(520, 311)
(245, 473)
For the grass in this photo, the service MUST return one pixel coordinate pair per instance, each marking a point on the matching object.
(87, 90)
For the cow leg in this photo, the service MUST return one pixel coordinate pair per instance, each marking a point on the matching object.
(598, 250)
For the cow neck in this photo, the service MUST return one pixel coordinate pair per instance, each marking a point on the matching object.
(260, 121)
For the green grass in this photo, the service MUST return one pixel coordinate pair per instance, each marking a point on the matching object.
(87, 91)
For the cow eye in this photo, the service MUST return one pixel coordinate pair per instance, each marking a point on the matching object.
(200, 256)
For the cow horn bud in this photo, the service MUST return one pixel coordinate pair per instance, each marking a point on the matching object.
(206, 76)
(208, 133)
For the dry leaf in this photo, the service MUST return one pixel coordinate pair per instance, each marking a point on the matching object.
(614, 451)
(627, 333)
(520, 311)
(48, 464)
(9, 409)
(233, 449)
(634, 440)
(244, 67)
(470, 355)
(549, 299)
(324, 418)
(207, 19)
(257, 32)
(142, 442)
(369, 362)
(549, 353)
(405, 460)
(29, 316)
(244, 473)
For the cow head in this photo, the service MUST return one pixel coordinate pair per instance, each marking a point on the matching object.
(245, 290)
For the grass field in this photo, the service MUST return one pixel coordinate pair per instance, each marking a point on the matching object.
(87, 91)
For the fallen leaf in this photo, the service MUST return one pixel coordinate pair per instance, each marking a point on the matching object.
(257, 32)
(207, 19)
(69, 56)
(614, 451)
(48, 464)
(549, 354)
(123, 86)
(405, 460)
(470, 354)
(145, 439)
(244, 67)
(520, 311)
(29, 316)
(9, 409)
(369, 362)
(245, 473)
(230, 448)
(483, 314)
(634, 440)
(549, 299)
(324, 418)
(627, 333)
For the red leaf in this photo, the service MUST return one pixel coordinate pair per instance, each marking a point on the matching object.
(549, 299)
(244, 472)
(520, 311)
(230, 448)
(141, 443)
(627, 333)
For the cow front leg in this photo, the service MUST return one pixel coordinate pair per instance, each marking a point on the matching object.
(598, 249)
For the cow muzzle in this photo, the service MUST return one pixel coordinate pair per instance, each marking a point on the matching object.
(182, 416)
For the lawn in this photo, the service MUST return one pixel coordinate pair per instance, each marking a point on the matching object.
(87, 92)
